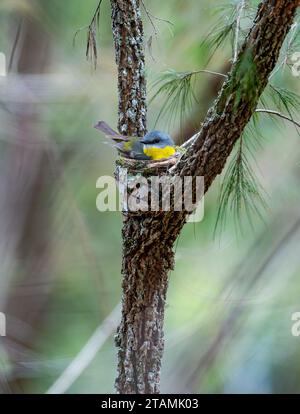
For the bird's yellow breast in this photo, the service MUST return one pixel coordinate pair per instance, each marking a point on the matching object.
(156, 153)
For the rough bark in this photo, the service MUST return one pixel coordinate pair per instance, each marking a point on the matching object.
(128, 37)
(148, 239)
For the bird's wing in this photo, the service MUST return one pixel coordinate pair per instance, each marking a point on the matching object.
(129, 147)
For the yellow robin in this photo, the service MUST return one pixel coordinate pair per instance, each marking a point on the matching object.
(155, 145)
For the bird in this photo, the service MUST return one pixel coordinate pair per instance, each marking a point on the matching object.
(155, 145)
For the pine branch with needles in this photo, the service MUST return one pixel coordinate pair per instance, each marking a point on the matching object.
(240, 190)
(229, 26)
(178, 92)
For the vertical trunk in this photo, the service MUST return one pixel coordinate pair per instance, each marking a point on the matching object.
(128, 36)
(147, 258)
(144, 270)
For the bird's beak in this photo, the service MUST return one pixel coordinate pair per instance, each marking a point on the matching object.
(142, 141)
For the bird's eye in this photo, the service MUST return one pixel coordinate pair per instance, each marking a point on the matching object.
(156, 141)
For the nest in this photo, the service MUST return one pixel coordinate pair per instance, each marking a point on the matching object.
(147, 167)
(133, 178)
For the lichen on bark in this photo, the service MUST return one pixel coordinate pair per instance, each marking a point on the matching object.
(129, 52)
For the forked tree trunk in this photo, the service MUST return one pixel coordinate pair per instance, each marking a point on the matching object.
(148, 239)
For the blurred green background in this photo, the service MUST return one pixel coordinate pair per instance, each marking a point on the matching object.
(231, 297)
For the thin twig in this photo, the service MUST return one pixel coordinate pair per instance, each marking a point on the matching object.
(91, 47)
(271, 112)
(211, 72)
(240, 8)
(96, 12)
(77, 32)
(151, 17)
(86, 354)
(191, 141)
(93, 21)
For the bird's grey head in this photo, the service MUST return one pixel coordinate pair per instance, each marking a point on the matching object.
(157, 139)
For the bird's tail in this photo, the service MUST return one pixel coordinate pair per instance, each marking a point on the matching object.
(109, 132)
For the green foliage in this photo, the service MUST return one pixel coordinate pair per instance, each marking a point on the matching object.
(178, 92)
(178, 89)
(231, 25)
(285, 100)
(220, 32)
(282, 99)
(241, 191)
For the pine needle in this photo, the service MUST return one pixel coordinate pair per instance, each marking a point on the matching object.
(220, 31)
(283, 100)
(178, 91)
(241, 193)
(229, 26)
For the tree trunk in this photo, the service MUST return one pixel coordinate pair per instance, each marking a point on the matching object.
(148, 238)
(128, 37)
(147, 259)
